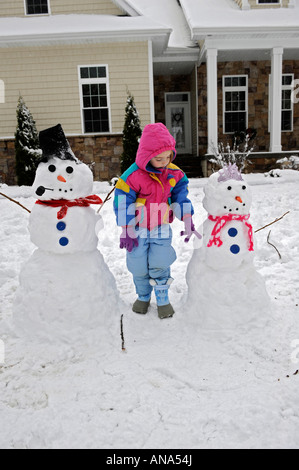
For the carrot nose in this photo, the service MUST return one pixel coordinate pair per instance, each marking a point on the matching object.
(61, 178)
(239, 199)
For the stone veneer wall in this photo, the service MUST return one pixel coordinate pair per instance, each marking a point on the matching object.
(7, 162)
(258, 102)
(102, 153)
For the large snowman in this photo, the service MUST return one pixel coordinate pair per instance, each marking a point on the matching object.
(65, 287)
(224, 287)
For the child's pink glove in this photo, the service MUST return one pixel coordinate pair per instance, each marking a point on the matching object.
(189, 229)
(128, 239)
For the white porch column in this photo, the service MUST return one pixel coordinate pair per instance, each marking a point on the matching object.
(151, 81)
(275, 99)
(212, 99)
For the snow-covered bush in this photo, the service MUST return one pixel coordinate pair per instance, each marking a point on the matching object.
(131, 134)
(290, 163)
(26, 145)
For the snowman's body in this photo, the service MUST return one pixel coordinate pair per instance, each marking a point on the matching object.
(65, 287)
(228, 205)
(224, 286)
(73, 233)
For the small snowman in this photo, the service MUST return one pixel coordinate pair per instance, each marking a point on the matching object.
(65, 287)
(224, 286)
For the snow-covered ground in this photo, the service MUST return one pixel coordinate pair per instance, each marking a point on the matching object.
(174, 386)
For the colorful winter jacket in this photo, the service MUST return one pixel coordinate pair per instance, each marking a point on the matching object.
(147, 196)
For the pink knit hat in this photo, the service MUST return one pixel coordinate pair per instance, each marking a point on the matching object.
(155, 139)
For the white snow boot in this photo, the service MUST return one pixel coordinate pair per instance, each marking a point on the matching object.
(161, 288)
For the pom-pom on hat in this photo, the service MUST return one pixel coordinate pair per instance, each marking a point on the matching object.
(54, 144)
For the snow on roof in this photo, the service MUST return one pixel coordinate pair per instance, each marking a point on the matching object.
(78, 26)
(203, 15)
(169, 13)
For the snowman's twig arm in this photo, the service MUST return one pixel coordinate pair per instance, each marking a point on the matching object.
(16, 202)
(274, 222)
(106, 199)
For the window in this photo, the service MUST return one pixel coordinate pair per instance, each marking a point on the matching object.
(94, 95)
(37, 7)
(287, 104)
(235, 103)
(287, 107)
(264, 2)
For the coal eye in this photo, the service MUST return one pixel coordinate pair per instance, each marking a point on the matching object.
(244, 187)
(52, 168)
(69, 169)
(229, 188)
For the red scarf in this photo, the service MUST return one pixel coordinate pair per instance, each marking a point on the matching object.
(65, 204)
(220, 224)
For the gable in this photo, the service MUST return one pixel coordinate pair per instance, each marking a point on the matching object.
(63, 7)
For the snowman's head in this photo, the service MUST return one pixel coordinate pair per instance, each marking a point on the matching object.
(62, 179)
(60, 175)
(226, 192)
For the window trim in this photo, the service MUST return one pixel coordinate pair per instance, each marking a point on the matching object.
(37, 14)
(268, 3)
(237, 88)
(283, 87)
(91, 81)
(289, 88)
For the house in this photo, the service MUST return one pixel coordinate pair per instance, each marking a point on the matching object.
(207, 69)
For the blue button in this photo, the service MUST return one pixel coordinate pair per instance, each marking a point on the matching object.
(233, 232)
(63, 241)
(235, 249)
(61, 226)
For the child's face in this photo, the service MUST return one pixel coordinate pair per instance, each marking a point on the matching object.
(162, 160)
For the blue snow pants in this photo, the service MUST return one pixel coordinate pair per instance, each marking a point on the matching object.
(151, 259)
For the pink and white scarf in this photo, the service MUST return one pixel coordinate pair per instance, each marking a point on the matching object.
(221, 221)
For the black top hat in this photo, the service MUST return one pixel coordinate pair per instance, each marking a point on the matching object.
(54, 144)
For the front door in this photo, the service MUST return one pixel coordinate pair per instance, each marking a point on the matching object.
(178, 120)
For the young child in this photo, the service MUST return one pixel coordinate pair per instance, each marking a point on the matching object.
(147, 197)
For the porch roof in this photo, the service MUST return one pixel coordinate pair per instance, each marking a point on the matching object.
(80, 29)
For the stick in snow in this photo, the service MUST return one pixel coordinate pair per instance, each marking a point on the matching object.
(16, 202)
(268, 238)
(274, 222)
(122, 334)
